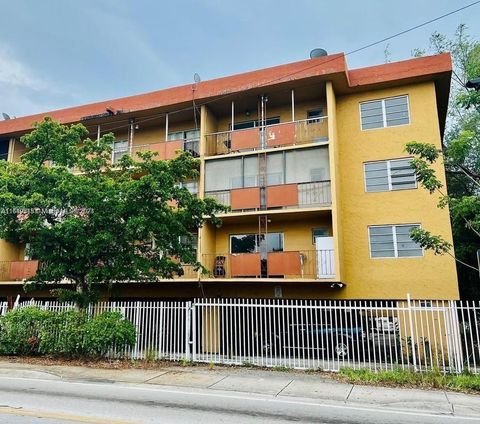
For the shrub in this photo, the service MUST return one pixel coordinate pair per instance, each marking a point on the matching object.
(105, 332)
(31, 331)
(20, 331)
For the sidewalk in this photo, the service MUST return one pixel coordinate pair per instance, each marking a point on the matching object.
(281, 385)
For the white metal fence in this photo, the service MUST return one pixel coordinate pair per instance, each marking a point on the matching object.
(304, 334)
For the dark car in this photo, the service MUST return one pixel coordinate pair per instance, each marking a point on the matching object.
(324, 335)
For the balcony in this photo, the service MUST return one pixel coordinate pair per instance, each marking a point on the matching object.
(282, 196)
(188, 273)
(165, 149)
(302, 264)
(17, 270)
(314, 130)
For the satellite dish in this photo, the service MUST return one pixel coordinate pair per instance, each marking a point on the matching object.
(196, 78)
(6, 117)
(318, 53)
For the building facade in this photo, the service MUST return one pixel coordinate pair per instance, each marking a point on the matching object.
(310, 157)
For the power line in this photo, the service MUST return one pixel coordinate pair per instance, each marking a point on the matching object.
(310, 67)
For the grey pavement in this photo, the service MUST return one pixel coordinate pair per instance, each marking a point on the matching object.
(200, 394)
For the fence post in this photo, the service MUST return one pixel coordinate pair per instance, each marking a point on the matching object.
(410, 319)
(188, 330)
(193, 312)
(17, 302)
(457, 345)
(137, 328)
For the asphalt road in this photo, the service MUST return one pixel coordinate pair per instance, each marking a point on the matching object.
(26, 400)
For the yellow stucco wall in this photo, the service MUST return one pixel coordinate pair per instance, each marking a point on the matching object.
(424, 277)
(10, 252)
(297, 233)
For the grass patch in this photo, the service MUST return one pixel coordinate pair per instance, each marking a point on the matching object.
(465, 382)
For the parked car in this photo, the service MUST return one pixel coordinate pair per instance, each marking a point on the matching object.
(328, 335)
(324, 335)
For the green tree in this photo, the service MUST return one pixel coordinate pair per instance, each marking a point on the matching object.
(460, 154)
(103, 223)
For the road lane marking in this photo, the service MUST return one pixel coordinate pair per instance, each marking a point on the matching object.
(266, 398)
(60, 416)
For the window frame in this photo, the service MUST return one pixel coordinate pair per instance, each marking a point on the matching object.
(257, 246)
(389, 175)
(325, 229)
(395, 243)
(114, 151)
(318, 118)
(384, 112)
(184, 135)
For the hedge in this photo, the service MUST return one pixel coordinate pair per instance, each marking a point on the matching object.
(72, 333)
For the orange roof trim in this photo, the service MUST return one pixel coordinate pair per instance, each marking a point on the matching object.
(318, 67)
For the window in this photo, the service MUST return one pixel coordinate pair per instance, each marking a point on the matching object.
(190, 242)
(252, 243)
(393, 241)
(119, 149)
(389, 175)
(314, 115)
(254, 123)
(223, 174)
(287, 167)
(275, 167)
(191, 186)
(191, 139)
(319, 232)
(306, 165)
(184, 135)
(4, 149)
(382, 113)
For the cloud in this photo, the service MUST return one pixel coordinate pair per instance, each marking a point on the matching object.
(15, 73)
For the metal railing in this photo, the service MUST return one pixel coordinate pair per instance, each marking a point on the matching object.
(299, 264)
(22, 270)
(312, 130)
(314, 194)
(305, 334)
(310, 194)
(17, 270)
(192, 146)
(222, 196)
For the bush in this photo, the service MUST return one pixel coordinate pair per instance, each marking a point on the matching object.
(31, 331)
(20, 330)
(107, 331)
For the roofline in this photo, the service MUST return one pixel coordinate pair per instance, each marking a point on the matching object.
(331, 67)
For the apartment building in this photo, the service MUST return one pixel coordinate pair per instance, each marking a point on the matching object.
(310, 157)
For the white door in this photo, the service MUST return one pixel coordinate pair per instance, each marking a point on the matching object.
(325, 257)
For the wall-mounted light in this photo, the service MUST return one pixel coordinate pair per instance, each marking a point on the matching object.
(247, 113)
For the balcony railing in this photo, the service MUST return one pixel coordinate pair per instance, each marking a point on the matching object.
(17, 270)
(271, 136)
(188, 272)
(301, 264)
(165, 149)
(282, 196)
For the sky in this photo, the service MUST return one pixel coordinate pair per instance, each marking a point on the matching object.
(61, 53)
